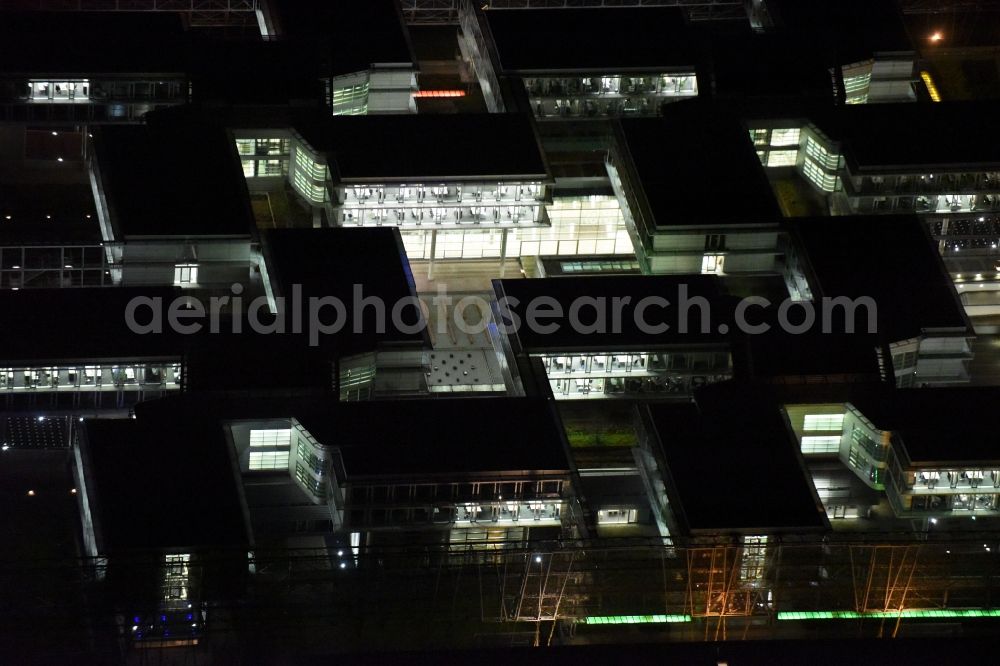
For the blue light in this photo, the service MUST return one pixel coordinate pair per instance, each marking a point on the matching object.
(190, 616)
(163, 618)
(136, 619)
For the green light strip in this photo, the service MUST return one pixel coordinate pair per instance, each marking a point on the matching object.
(910, 613)
(635, 619)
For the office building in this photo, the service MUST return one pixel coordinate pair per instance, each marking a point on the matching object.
(670, 199)
(360, 48)
(867, 43)
(693, 381)
(588, 74)
(73, 79)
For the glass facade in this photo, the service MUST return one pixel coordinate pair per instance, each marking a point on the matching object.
(309, 177)
(823, 422)
(577, 226)
(657, 374)
(87, 99)
(812, 444)
(472, 505)
(269, 449)
(350, 100)
(782, 158)
(264, 157)
(607, 94)
(49, 267)
(503, 203)
(778, 147)
(609, 266)
(103, 377)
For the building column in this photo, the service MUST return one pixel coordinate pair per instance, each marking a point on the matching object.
(430, 264)
(503, 252)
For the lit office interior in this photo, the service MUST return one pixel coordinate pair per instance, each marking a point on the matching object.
(817, 159)
(264, 157)
(606, 95)
(591, 225)
(538, 513)
(382, 89)
(59, 91)
(85, 91)
(288, 448)
(599, 375)
(943, 490)
(463, 505)
(857, 81)
(177, 621)
(98, 377)
(456, 204)
(945, 193)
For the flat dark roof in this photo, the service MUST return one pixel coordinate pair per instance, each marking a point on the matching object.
(168, 484)
(733, 438)
(857, 29)
(249, 361)
(441, 436)
(938, 425)
(752, 64)
(81, 324)
(914, 137)
(698, 166)
(351, 35)
(89, 43)
(49, 214)
(336, 262)
(402, 437)
(590, 39)
(254, 72)
(314, 263)
(395, 147)
(837, 356)
(168, 179)
(882, 257)
(520, 294)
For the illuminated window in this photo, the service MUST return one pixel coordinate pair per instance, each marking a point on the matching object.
(819, 445)
(272, 146)
(311, 191)
(269, 449)
(350, 100)
(711, 264)
(856, 88)
(821, 155)
(245, 146)
(176, 577)
(617, 516)
(785, 137)
(753, 561)
(824, 422)
(761, 137)
(821, 179)
(269, 168)
(780, 158)
(308, 166)
(185, 274)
